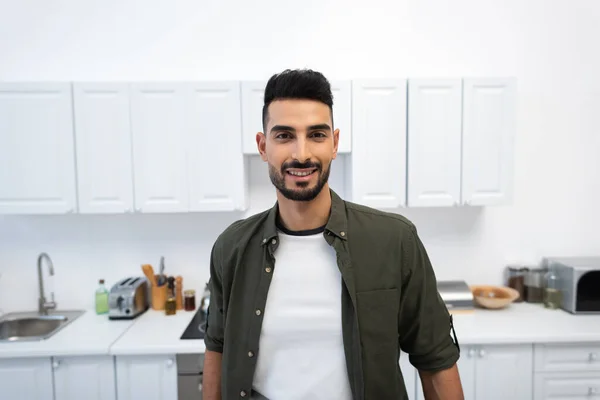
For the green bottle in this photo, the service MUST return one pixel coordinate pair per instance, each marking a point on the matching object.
(101, 299)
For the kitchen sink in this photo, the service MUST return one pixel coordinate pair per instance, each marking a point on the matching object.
(32, 326)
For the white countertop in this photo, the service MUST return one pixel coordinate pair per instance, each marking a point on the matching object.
(90, 334)
(525, 323)
(157, 333)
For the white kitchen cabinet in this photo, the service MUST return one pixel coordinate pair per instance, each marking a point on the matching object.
(566, 385)
(409, 373)
(160, 133)
(493, 372)
(148, 377)
(489, 123)
(103, 137)
(253, 93)
(37, 149)
(434, 142)
(84, 377)
(342, 113)
(26, 378)
(376, 169)
(214, 123)
(252, 104)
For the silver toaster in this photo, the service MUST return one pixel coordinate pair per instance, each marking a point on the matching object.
(128, 298)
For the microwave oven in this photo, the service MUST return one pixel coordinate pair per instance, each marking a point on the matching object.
(579, 282)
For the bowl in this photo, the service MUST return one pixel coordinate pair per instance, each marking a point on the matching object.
(493, 297)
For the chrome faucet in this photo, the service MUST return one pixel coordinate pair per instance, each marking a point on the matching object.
(43, 305)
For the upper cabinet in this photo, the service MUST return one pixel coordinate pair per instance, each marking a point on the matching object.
(214, 124)
(489, 124)
(104, 163)
(253, 93)
(377, 166)
(160, 133)
(460, 141)
(37, 149)
(434, 142)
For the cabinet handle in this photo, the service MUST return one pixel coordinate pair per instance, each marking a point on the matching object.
(481, 353)
(55, 364)
(169, 362)
(592, 391)
(593, 357)
(471, 353)
(200, 387)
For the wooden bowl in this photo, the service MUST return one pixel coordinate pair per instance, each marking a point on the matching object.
(493, 297)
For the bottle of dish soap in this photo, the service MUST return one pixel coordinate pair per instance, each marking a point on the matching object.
(101, 298)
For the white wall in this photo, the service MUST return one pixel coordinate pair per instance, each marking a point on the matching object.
(550, 46)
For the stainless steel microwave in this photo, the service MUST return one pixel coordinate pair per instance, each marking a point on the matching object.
(579, 282)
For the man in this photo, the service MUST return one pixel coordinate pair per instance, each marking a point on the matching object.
(316, 297)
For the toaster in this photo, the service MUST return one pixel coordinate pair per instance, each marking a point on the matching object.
(128, 298)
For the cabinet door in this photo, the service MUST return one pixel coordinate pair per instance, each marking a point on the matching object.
(26, 378)
(89, 377)
(146, 377)
(37, 150)
(434, 142)
(104, 161)
(489, 122)
(504, 372)
(158, 119)
(566, 385)
(377, 167)
(466, 371)
(342, 113)
(253, 93)
(215, 125)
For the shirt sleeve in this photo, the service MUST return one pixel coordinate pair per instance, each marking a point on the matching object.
(425, 324)
(214, 332)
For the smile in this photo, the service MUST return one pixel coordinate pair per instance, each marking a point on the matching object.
(300, 172)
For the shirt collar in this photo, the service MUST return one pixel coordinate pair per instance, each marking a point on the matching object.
(336, 225)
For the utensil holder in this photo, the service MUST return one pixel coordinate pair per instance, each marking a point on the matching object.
(159, 296)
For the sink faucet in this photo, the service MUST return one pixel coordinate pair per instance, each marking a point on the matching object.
(43, 305)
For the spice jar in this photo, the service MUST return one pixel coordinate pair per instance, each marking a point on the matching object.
(516, 280)
(189, 300)
(552, 292)
(534, 285)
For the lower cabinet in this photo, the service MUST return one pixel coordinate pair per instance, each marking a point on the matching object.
(58, 378)
(495, 372)
(148, 377)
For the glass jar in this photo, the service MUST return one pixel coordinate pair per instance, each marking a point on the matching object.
(189, 300)
(516, 280)
(552, 292)
(534, 285)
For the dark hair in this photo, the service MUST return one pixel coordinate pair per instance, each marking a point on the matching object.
(297, 84)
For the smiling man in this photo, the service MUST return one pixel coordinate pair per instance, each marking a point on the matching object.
(316, 297)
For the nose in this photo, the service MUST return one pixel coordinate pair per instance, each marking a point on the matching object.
(302, 150)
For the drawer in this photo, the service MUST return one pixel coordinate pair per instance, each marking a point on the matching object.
(567, 357)
(567, 386)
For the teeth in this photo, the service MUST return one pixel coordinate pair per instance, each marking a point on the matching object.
(296, 173)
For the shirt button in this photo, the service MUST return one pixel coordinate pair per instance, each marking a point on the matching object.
(268, 270)
(264, 241)
(250, 354)
(342, 233)
(274, 241)
(243, 393)
(257, 312)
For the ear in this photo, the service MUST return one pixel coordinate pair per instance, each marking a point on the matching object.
(336, 140)
(261, 143)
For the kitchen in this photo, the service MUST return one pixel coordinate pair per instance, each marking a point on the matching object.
(84, 52)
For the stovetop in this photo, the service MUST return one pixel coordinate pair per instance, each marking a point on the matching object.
(195, 329)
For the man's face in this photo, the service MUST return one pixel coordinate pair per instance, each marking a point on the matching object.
(299, 145)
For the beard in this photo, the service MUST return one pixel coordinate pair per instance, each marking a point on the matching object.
(301, 190)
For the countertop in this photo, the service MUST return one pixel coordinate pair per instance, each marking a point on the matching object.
(90, 334)
(156, 333)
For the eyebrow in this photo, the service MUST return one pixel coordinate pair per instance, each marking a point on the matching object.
(279, 128)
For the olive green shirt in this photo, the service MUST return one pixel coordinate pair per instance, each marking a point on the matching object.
(390, 301)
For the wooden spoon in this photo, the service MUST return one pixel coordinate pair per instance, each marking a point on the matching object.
(149, 272)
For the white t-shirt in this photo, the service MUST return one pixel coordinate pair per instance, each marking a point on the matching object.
(301, 350)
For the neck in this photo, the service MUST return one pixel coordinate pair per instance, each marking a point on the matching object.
(304, 215)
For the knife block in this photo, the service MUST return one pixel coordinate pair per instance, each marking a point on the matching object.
(159, 296)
